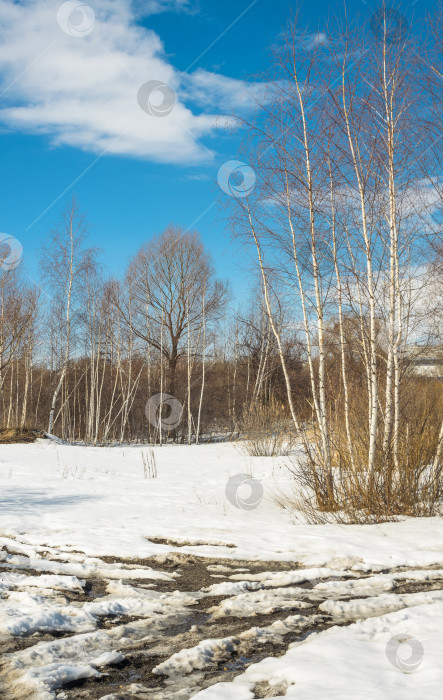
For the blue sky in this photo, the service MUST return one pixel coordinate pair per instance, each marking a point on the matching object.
(70, 122)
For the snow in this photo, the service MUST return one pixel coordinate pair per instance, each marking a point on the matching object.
(107, 658)
(381, 582)
(75, 517)
(367, 607)
(229, 588)
(49, 665)
(96, 501)
(285, 578)
(351, 662)
(23, 613)
(210, 650)
(46, 678)
(58, 583)
(366, 586)
(54, 676)
(150, 603)
(260, 602)
(88, 566)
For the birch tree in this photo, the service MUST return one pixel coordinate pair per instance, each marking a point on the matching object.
(66, 263)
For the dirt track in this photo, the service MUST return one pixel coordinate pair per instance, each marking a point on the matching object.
(147, 641)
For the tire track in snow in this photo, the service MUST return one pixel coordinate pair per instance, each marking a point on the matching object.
(170, 626)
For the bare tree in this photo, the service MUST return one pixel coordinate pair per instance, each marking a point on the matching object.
(66, 263)
(18, 306)
(166, 282)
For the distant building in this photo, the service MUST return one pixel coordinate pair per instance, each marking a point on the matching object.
(424, 361)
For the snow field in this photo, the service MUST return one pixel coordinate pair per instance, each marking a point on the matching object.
(83, 588)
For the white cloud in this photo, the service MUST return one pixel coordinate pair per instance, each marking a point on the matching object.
(313, 41)
(303, 42)
(152, 7)
(212, 90)
(82, 91)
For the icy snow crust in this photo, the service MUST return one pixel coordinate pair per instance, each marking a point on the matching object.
(75, 529)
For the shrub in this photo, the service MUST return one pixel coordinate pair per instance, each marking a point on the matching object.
(267, 429)
(347, 492)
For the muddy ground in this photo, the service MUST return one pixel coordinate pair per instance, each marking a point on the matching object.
(144, 647)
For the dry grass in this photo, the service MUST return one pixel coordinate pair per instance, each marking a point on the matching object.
(13, 435)
(149, 465)
(348, 493)
(267, 430)
(347, 496)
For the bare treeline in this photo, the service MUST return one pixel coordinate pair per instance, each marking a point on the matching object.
(82, 355)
